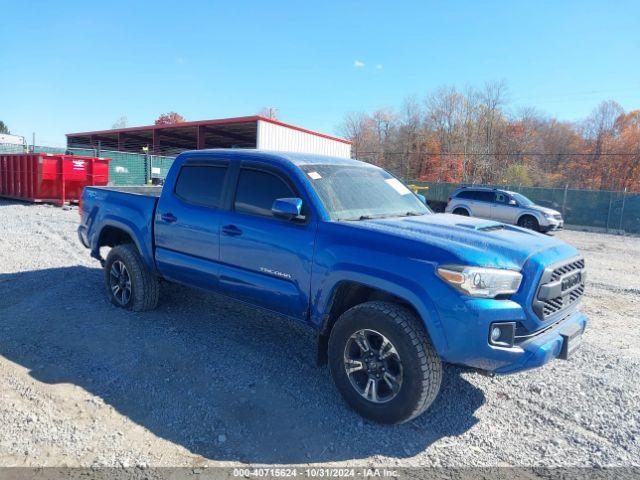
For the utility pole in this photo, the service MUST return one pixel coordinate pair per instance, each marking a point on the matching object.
(564, 199)
(624, 197)
(609, 212)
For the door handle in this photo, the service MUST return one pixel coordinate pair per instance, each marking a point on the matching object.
(231, 231)
(168, 217)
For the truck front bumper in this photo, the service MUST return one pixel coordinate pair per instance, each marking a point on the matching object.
(557, 342)
(472, 346)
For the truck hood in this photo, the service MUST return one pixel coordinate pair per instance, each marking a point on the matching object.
(472, 240)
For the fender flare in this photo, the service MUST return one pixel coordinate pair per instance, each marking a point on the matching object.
(535, 215)
(422, 304)
(463, 206)
(130, 230)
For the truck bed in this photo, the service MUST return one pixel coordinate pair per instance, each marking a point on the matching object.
(130, 209)
(149, 191)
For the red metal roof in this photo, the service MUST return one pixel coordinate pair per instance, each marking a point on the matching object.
(221, 121)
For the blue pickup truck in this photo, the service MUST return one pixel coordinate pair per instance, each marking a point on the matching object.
(392, 289)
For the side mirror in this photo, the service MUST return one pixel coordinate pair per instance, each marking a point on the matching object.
(513, 203)
(422, 198)
(288, 208)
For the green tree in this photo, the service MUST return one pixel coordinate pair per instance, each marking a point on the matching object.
(4, 128)
(517, 174)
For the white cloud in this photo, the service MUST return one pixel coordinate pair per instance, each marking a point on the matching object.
(358, 64)
(379, 66)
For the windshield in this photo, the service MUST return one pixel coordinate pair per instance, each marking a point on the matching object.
(522, 200)
(351, 192)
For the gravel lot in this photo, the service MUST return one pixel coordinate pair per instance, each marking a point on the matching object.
(203, 381)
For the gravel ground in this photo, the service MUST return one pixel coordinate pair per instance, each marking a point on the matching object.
(204, 381)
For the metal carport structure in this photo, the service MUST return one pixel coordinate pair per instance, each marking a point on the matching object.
(239, 132)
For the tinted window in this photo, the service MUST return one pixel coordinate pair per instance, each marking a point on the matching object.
(482, 195)
(466, 194)
(201, 184)
(257, 190)
(485, 196)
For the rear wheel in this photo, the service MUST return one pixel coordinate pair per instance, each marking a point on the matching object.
(383, 363)
(461, 211)
(128, 282)
(529, 222)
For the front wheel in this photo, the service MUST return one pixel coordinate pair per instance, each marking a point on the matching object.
(529, 222)
(129, 283)
(383, 363)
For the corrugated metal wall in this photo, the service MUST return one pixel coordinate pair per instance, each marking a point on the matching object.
(277, 137)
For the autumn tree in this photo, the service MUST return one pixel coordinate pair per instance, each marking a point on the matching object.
(627, 128)
(170, 118)
(472, 136)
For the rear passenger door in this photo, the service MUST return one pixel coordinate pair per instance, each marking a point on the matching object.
(187, 224)
(266, 260)
(482, 203)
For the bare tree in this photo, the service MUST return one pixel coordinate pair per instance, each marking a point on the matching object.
(599, 130)
(492, 99)
(269, 112)
(409, 143)
(354, 128)
(122, 122)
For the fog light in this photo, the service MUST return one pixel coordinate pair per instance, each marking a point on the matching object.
(495, 333)
(502, 334)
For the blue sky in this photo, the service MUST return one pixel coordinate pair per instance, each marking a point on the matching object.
(76, 66)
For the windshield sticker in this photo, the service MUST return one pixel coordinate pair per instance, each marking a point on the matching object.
(398, 186)
(314, 175)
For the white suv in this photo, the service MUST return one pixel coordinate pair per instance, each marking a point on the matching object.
(503, 206)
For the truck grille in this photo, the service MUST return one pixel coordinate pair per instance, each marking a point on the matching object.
(560, 287)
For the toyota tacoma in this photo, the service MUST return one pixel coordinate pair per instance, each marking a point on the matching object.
(392, 289)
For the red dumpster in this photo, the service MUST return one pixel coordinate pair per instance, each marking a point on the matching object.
(51, 178)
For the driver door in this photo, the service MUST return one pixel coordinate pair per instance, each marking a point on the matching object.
(266, 260)
(503, 210)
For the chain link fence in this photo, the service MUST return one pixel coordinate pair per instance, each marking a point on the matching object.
(608, 210)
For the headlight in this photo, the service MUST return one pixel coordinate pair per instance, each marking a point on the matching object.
(481, 282)
(550, 216)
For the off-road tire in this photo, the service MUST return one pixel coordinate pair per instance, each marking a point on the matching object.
(145, 288)
(421, 366)
(529, 222)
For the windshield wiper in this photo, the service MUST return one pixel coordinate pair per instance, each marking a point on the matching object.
(361, 217)
(384, 215)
